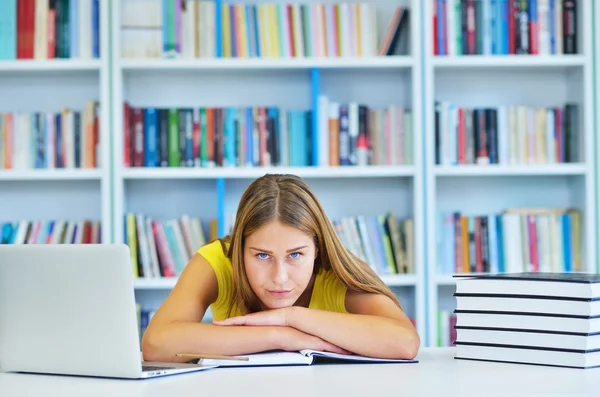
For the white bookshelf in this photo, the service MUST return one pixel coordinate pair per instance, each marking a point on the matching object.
(50, 85)
(531, 80)
(390, 63)
(166, 193)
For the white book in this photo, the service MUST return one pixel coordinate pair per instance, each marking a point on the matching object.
(543, 339)
(302, 357)
(531, 356)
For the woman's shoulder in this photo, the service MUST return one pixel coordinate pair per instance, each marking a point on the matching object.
(214, 253)
(329, 292)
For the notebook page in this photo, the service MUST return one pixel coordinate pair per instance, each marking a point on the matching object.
(262, 359)
(352, 357)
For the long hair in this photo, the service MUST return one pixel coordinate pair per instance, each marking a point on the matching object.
(288, 199)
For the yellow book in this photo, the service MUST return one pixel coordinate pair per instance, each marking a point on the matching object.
(226, 29)
(132, 243)
(265, 49)
(275, 33)
(464, 239)
(358, 31)
(242, 29)
(575, 239)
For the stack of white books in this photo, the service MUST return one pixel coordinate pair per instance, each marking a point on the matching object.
(530, 318)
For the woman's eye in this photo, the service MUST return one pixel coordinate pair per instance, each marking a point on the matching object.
(263, 256)
(295, 255)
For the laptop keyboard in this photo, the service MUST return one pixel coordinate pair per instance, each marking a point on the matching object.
(154, 368)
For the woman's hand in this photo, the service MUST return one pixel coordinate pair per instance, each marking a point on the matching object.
(291, 339)
(275, 317)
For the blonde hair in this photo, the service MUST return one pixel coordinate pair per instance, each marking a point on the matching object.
(288, 199)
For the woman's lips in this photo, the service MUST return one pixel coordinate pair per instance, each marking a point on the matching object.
(280, 293)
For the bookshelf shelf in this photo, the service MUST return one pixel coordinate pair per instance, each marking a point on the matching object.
(54, 65)
(507, 170)
(291, 87)
(388, 62)
(51, 175)
(167, 283)
(245, 173)
(508, 61)
(504, 97)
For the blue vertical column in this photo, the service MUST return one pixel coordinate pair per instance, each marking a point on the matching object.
(315, 91)
(220, 181)
(218, 29)
(220, 207)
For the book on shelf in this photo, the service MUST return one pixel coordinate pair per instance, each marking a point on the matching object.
(506, 135)
(547, 318)
(50, 140)
(383, 241)
(263, 136)
(355, 134)
(514, 240)
(59, 231)
(504, 27)
(162, 248)
(49, 29)
(445, 325)
(209, 29)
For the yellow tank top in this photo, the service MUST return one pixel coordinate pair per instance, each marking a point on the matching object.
(328, 292)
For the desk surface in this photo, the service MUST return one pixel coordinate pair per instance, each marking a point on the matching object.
(437, 374)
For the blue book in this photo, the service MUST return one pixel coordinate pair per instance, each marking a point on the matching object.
(95, 29)
(151, 137)
(567, 247)
(249, 137)
(229, 157)
(59, 141)
(441, 27)
(500, 248)
(8, 29)
(74, 28)
(552, 25)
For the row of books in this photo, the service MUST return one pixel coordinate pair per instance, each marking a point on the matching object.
(162, 248)
(208, 29)
(47, 29)
(500, 27)
(515, 240)
(48, 140)
(529, 318)
(446, 331)
(348, 134)
(58, 231)
(356, 134)
(384, 242)
(506, 134)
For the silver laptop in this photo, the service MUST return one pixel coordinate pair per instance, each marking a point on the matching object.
(70, 309)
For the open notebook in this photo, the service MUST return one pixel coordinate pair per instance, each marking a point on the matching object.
(303, 357)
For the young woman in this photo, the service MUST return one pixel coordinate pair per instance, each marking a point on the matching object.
(281, 281)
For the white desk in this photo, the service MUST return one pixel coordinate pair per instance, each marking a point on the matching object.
(437, 374)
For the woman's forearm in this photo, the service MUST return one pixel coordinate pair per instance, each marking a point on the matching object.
(368, 335)
(166, 340)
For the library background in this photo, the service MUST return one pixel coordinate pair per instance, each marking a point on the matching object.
(442, 136)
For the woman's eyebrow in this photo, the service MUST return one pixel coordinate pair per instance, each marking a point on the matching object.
(270, 252)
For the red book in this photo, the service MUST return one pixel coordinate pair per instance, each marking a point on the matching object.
(126, 132)
(435, 28)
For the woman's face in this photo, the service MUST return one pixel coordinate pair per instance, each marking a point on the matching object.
(279, 262)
